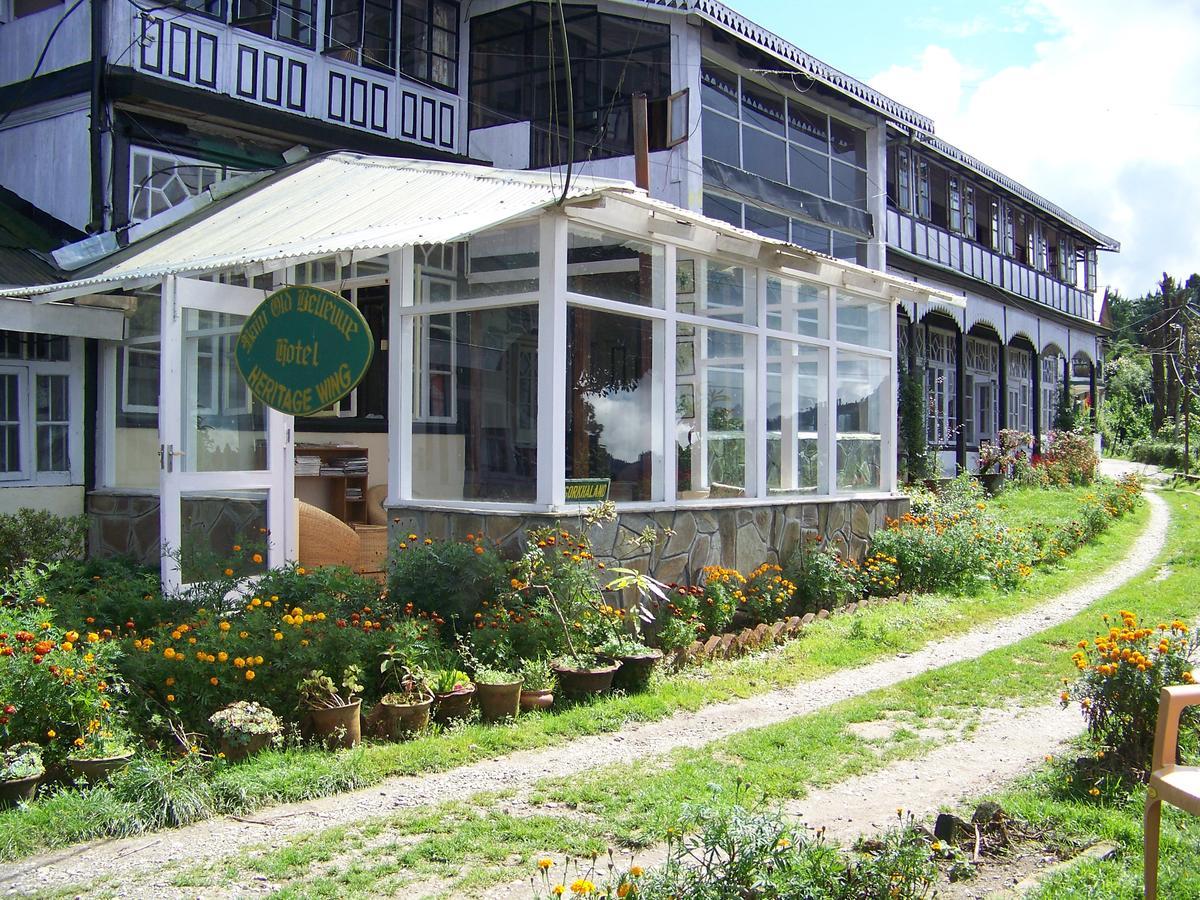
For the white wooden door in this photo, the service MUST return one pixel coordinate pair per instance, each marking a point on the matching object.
(227, 459)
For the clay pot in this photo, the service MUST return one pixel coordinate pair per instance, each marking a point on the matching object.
(579, 684)
(95, 770)
(18, 790)
(239, 750)
(453, 706)
(539, 699)
(339, 726)
(993, 482)
(634, 674)
(498, 701)
(399, 721)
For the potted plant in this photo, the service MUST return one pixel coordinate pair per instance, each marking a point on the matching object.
(404, 709)
(625, 644)
(537, 684)
(100, 750)
(991, 472)
(498, 692)
(21, 768)
(244, 728)
(333, 717)
(584, 674)
(452, 693)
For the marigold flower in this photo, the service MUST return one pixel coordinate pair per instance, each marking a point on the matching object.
(170, 698)
(228, 572)
(249, 674)
(544, 864)
(257, 557)
(636, 871)
(214, 680)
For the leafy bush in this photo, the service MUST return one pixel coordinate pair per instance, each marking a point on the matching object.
(60, 687)
(767, 594)
(678, 620)
(34, 534)
(1122, 676)
(450, 579)
(722, 850)
(822, 579)
(1069, 458)
(724, 591)
(1158, 452)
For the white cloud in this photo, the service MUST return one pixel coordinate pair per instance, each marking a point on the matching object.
(1105, 122)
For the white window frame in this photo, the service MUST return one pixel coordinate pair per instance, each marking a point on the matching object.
(28, 371)
(941, 387)
(1020, 389)
(982, 371)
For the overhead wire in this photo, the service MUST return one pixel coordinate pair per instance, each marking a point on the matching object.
(28, 82)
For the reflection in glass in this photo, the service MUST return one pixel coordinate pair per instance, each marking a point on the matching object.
(720, 290)
(612, 427)
(501, 262)
(475, 405)
(615, 268)
(223, 425)
(864, 321)
(862, 397)
(212, 524)
(713, 394)
(799, 307)
(797, 414)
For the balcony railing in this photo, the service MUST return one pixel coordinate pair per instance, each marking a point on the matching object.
(956, 252)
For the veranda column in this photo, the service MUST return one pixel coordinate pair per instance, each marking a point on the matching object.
(960, 386)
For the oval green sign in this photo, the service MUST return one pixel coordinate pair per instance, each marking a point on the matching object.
(303, 348)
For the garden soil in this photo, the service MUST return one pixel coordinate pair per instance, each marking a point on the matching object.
(144, 866)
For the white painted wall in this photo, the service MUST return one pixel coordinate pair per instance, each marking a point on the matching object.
(507, 146)
(666, 170)
(22, 40)
(45, 157)
(66, 500)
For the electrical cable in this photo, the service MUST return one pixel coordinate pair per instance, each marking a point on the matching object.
(562, 21)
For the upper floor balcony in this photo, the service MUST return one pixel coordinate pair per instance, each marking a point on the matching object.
(953, 251)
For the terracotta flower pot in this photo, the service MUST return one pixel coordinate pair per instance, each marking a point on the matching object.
(97, 769)
(498, 701)
(539, 699)
(339, 726)
(398, 721)
(18, 790)
(236, 751)
(453, 706)
(579, 684)
(635, 672)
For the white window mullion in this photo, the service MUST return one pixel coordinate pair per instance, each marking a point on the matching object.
(667, 405)
(552, 363)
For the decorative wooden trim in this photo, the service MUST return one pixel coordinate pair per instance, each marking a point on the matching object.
(358, 102)
(408, 115)
(428, 120)
(297, 85)
(379, 107)
(272, 79)
(186, 34)
(246, 83)
(446, 126)
(206, 59)
(152, 44)
(336, 103)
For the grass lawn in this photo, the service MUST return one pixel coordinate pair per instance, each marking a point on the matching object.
(303, 773)
(1074, 820)
(1031, 508)
(479, 843)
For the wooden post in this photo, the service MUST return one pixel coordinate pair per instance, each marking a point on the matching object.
(641, 142)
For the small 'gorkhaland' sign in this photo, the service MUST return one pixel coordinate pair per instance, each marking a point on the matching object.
(303, 349)
(587, 490)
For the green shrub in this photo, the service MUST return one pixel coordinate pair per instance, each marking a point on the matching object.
(1122, 674)
(724, 591)
(1069, 458)
(34, 534)
(677, 620)
(450, 579)
(822, 579)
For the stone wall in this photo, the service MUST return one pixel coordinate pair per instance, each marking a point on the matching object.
(738, 537)
(124, 525)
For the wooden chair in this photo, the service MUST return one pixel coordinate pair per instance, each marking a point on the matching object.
(1169, 783)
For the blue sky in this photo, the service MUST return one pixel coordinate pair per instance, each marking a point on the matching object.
(1095, 104)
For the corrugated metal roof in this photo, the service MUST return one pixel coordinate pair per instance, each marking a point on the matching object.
(337, 203)
(350, 203)
(27, 235)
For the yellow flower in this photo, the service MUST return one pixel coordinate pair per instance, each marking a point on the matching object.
(582, 887)
(228, 573)
(279, 635)
(249, 674)
(624, 889)
(68, 646)
(257, 557)
(544, 864)
(52, 734)
(222, 656)
(214, 680)
(169, 653)
(170, 698)
(93, 638)
(224, 626)
(258, 660)
(558, 890)
(783, 843)
(240, 663)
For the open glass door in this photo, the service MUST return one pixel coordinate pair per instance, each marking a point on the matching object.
(226, 479)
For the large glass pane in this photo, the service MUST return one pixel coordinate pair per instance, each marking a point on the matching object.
(52, 419)
(475, 405)
(720, 290)
(797, 414)
(849, 185)
(721, 138)
(716, 207)
(811, 237)
(863, 321)
(222, 533)
(10, 422)
(133, 444)
(713, 394)
(797, 306)
(862, 399)
(808, 127)
(615, 268)
(763, 108)
(498, 263)
(614, 425)
(764, 155)
(848, 143)
(719, 89)
(224, 427)
(766, 223)
(810, 171)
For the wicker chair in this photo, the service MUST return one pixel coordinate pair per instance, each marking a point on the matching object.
(376, 498)
(324, 539)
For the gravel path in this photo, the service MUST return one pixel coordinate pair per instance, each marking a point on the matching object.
(209, 841)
